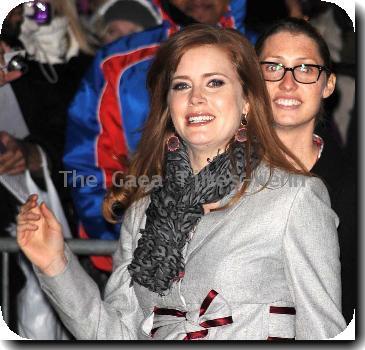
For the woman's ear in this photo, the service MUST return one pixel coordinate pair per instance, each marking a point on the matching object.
(330, 86)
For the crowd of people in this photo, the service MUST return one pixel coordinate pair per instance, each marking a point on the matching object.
(243, 130)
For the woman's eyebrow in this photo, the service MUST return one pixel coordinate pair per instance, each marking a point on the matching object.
(283, 58)
(181, 77)
(205, 75)
(274, 57)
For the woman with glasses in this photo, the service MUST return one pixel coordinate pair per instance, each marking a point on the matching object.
(296, 65)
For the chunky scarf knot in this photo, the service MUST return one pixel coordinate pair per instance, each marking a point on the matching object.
(176, 209)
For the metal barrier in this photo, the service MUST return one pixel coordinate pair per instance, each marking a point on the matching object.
(78, 246)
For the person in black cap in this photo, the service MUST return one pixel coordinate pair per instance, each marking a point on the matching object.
(122, 17)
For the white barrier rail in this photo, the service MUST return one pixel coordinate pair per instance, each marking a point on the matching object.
(78, 246)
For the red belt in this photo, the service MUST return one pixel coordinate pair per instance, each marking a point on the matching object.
(283, 310)
(215, 322)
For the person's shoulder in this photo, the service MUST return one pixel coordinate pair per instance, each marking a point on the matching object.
(141, 204)
(306, 185)
(272, 178)
(137, 209)
(315, 185)
(134, 217)
(308, 189)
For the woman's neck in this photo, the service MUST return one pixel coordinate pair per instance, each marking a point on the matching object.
(300, 143)
(199, 159)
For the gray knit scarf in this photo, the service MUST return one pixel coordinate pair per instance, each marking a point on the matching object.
(176, 209)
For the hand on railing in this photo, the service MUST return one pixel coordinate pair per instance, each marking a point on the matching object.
(40, 237)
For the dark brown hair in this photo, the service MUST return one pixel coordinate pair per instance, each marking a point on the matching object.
(297, 26)
(300, 26)
(150, 155)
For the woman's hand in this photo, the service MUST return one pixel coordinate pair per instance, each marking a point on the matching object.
(40, 237)
(6, 77)
(19, 156)
(13, 161)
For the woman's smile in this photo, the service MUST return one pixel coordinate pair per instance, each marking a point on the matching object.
(287, 102)
(206, 100)
(199, 119)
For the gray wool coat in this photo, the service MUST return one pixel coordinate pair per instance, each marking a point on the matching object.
(267, 267)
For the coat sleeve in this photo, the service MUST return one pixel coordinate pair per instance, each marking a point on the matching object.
(77, 299)
(85, 177)
(312, 263)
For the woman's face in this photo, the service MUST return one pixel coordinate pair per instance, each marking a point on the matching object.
(295, 104)
(206, 99)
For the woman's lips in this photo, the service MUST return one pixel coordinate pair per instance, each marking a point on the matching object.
(199, 119)
(287, 103)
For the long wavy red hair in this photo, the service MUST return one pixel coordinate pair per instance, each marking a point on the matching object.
(150, 155)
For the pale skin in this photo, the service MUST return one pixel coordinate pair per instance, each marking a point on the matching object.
(295, 124)
(208, 85)
(40, 237)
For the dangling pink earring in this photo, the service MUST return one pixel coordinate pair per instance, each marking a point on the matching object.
(173, 143)
(241, 134)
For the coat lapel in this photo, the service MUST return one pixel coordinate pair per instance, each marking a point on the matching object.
(208, 224)
(212, 222)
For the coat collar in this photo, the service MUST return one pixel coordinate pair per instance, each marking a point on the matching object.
(263, 178)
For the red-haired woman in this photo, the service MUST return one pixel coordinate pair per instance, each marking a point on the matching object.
(224, 238)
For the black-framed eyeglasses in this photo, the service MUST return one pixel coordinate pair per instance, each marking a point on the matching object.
(302, 73)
